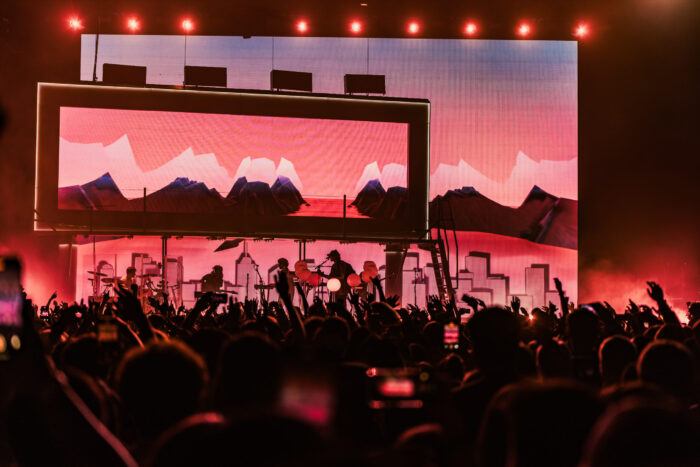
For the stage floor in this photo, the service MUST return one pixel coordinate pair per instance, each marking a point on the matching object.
(326, 207)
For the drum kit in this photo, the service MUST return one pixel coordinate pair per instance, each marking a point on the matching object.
(146, 289)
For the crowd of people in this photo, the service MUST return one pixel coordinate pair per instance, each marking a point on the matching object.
(361, 383)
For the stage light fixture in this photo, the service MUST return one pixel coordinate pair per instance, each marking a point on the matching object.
(187, 25)
(205, 76)
(291, 81)
(470, 29)
(75, 23)
(127, 75)
(365, 84)
(333, 285)
(133, 24)
(355, 27)
(302, 26)
(413, 27)
(524, 29)
(581, 30)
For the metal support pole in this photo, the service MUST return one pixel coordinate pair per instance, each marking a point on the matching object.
(164, 255)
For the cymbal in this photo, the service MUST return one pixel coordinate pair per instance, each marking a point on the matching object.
(149, 275)
(97, 273)
(109, 280)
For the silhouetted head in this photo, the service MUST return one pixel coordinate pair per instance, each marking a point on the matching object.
(332, 338)
(218, 269)
(670, 331)
(583, 330)
(334, 256)
(425, 444)
(249, 373)
(669, 365)
(273, 441)
(382, 353)
(616, 353)
(161, 384)
(554, 360)
(83, 353)
(535, 424)
(282, 263)
(639, 433)
(208, 344)
(494, 335)
(196, 440)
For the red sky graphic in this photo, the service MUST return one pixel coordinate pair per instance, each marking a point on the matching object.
(324, 152)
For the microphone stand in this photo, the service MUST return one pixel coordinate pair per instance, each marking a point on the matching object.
(261, 283)
(318, 271)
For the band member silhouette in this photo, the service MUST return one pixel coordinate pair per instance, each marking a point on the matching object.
(340, 270)
(213, 281)
(129, 281)
(283, 265)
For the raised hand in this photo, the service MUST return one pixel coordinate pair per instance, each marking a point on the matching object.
(515, 304)
(557, 284)
(393, 301)
(282, 286)
(378, 287)
(632, 308)
(473, 302)
(563, 299)
(129, 307)
(354, 298)
(655, 291)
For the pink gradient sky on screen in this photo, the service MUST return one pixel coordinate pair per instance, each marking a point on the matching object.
(328, 155)
(490, 99)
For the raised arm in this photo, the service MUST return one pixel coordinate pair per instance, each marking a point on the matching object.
(282, 287)
(657, 294)
(563, 299)
(304, 301)
(380, 290)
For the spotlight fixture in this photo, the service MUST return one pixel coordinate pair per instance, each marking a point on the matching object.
(75, 23)
(470, 29)
(581, 30)
(413, 27)
(133, 24)
(187, 25)
(302, 26)
(355, 27)
(524, 29)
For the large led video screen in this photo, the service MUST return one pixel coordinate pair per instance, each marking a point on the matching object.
(160, 160)
(228, 164)
(503, 141)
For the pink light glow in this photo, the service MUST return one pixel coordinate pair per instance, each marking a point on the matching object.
(302, 26)
(582, 30)
(524, 29)
(133, 24)
(75, 23)
(187, 25)
(470, 29)
(356, 27)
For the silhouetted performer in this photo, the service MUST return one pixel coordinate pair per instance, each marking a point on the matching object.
(283, 264)
(213, 281)
(340, 270)
(130, 280)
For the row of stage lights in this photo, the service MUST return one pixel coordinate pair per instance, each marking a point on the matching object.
(523, 29)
